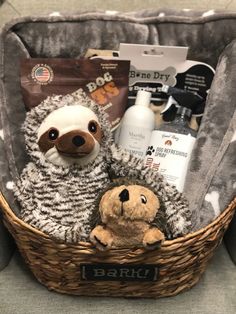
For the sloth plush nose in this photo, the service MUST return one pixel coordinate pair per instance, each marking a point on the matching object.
(78, 140)
(124, 195)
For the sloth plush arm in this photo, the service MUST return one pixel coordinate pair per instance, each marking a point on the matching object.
(178, 216)
(33, 213)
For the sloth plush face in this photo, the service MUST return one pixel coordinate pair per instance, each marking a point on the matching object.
(70, 131)
(132, 202)
(70, 135)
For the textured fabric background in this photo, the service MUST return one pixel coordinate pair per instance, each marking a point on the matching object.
(16, 8)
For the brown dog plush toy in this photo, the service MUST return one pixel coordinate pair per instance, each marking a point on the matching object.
(128, 214)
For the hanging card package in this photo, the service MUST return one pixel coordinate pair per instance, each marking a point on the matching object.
(154, 66)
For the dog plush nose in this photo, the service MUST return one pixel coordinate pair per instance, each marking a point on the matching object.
(124, 195)
(78, 140)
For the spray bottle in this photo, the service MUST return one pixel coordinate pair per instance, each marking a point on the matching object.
(171, 145)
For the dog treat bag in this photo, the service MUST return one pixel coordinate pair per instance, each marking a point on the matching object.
(104, 81)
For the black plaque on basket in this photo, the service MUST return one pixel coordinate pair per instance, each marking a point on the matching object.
(119, 272)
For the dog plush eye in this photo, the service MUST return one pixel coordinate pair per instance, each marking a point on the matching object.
(143, 199)
(92, 127)
(53, 134)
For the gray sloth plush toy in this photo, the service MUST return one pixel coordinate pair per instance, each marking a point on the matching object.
(73, 158)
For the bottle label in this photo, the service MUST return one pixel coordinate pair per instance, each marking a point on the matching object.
(134, 139)
(169, 153)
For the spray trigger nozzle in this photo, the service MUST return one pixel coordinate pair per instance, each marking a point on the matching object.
(171, 101)
(183, 98)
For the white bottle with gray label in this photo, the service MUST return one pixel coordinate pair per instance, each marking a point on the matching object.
(137, 126)
(170, 148)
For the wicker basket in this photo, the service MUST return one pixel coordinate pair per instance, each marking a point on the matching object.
(180, 262)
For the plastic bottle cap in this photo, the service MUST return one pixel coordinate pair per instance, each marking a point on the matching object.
(143, 98)
(184, 111)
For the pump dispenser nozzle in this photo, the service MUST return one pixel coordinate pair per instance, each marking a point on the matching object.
(143, 98)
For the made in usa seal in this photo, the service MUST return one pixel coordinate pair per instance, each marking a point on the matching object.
(42, 74)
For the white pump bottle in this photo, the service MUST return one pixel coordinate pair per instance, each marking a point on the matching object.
(137, 126)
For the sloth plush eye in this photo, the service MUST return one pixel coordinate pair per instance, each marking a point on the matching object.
(53, 134)
(92, 127)
(143, 199)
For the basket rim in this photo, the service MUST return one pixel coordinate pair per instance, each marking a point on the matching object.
(4, 206)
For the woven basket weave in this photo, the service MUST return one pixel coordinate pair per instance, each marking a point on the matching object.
(57, 266)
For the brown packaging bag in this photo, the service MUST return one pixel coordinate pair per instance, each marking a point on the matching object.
(104, 81)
